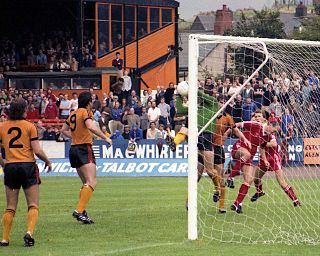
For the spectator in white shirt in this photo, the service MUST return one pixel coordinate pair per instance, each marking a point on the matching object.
(127, 85)
(233, 89)
(154, 113)
(152, 131)
(65, 107)
(74, 101)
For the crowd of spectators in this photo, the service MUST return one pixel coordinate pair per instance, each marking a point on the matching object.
(55, 51)
(292, 99)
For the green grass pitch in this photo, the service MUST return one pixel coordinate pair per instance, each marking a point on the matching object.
(133, 216)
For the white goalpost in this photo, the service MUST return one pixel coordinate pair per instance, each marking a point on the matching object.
(284, 64)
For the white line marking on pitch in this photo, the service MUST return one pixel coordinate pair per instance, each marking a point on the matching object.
(136, 248)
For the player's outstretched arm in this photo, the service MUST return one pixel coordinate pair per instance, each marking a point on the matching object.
(96, 131)
(66, 131)
(37, 150)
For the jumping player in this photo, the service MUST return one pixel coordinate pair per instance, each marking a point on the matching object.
(224, 124)
(80, 127)
(207, 107)
(270, 160)
(19, 138)
(257, 117)
(254, 132)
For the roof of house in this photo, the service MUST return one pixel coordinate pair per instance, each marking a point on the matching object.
(203, 23)
(183, 43)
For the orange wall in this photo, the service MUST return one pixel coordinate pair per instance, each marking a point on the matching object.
(151, 48)
(162, 75)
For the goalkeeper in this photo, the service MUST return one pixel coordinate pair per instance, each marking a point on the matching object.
(207, 108)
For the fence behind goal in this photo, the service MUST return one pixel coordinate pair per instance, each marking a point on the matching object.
(258, 69)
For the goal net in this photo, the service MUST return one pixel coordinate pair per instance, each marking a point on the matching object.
(279, 78)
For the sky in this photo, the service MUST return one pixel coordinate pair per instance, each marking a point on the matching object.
(189, 8)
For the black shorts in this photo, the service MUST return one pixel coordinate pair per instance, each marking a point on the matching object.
(219, 155)
(80, 155)
(17, 175)
(205, 141)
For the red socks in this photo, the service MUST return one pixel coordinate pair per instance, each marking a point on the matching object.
(289, 191)
(242, 193)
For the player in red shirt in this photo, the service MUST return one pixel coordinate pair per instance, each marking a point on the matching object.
(257, 117)
(270, 160)
(255, 133)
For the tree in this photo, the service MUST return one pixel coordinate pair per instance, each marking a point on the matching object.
(309, 29)
(264, 24)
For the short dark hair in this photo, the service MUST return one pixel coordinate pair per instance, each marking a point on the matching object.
(17, 109)
(84, 99)
(117, 53)
(222, 98)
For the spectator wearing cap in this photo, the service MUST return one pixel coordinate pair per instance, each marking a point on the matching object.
(126, 132)
(165, 112)
(248, 108)
(136, 133)
(116, 115)
(51, 111)
(275, 106)
(131, 118)
(105, 119)
(144, 121)
(154, 113)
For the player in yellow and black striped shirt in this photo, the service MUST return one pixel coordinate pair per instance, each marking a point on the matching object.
(19, 139)
(80, 128)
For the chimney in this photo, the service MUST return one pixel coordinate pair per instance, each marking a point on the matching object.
(223, 21)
